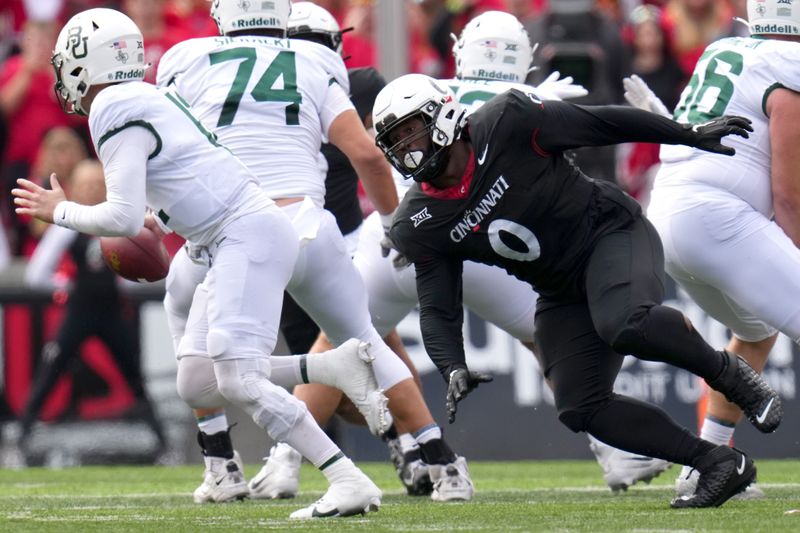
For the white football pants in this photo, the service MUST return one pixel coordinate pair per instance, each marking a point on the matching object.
(738, 265)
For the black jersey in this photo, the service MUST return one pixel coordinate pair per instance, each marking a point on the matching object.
(526, 209)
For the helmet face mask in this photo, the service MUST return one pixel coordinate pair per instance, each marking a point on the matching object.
(773, 17)
(243, 15)
(96, 46)
(493, 46)
(311, 22)
(409, 109)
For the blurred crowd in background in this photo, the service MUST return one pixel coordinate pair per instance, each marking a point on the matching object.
(597, 42)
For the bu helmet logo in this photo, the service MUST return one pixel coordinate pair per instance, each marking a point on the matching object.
(76, 44)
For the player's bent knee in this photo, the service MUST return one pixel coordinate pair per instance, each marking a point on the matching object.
(576, 420)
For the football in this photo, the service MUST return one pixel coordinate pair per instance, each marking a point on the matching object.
(140, 258)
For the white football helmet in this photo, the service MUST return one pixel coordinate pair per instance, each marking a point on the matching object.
(311, 22)
(96, 46)
(773, 17)
(417, 95)
(493, 46)
(242, 15)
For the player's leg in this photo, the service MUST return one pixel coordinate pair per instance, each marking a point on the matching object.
(196, 382)
(245, 286)
(330, 283)
(582, 369)
(625, 283)
(56, 356)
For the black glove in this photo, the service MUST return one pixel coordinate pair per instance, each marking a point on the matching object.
(462, 382)
(708, 135)
(400, 261)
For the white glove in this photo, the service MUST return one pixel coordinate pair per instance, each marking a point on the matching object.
(638, 94)
(553, 88)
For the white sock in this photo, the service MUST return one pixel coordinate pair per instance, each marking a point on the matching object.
(408, 443)
(214, 423)
(286, 370)
(340, 467)
(308, 438)
(716, 431)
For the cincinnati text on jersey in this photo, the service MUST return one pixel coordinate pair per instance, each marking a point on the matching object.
(473, 217)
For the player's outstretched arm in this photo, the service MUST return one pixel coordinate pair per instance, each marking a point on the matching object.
(604, 125)
(640, 95)
(783, 109)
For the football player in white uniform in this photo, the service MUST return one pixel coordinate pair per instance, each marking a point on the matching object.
(731, 226)
(156, 153)
(271, 101)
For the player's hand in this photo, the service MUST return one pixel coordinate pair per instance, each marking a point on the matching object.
(639, 94)
(36, 201)
(152, 224)
(462, 382)
(708, 135)
(399, 261)
(561, 89)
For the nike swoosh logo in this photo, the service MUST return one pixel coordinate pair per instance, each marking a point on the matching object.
(328, 514)
(482, 158)
(763, 416)
(740, 468)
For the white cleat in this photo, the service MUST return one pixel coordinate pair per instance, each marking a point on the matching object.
(356, 494)
(451, 482)
(686, 485)
(223, 481)
(280, 476)
(349, 369)
(623, 469)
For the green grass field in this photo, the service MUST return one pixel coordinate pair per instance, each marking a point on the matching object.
(511, 496)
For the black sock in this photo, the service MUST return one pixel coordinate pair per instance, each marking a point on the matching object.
(437, 452)
(216, 445)
(644, 429)
(670, 338)
(390, 434)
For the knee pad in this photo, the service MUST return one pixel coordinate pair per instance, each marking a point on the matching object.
(245, 383)
(197, 383)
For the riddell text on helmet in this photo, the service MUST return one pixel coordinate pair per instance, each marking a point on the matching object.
(258, 22)
(783, 29)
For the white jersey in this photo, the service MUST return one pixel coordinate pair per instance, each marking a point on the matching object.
(191, 181)
(734, 76)
(281, 95)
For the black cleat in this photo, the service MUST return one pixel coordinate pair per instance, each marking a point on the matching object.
(724, 472)
(746, 388)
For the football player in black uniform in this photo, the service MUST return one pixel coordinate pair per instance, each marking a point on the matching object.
(496, 188)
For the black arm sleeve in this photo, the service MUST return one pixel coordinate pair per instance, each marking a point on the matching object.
(565, 126)
(441, 312)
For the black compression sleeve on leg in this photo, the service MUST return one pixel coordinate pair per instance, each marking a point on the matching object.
(670, 337)
(644, 429)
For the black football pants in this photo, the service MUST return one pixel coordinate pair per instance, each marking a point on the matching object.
(580, 342)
